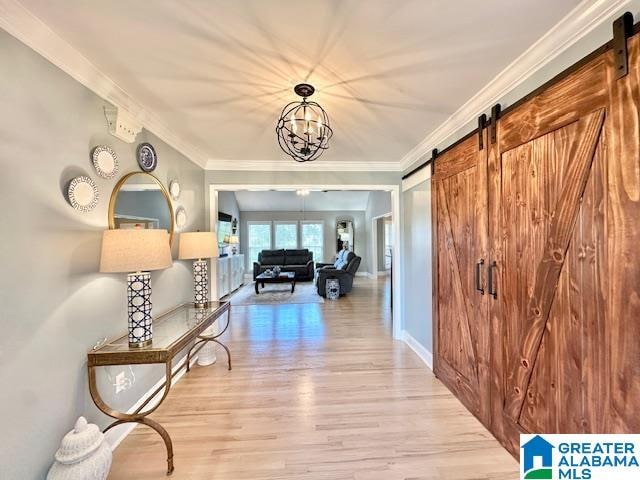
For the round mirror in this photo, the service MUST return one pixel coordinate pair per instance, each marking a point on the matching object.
(139, 200)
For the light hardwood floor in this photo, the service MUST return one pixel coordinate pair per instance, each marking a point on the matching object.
(317, 392)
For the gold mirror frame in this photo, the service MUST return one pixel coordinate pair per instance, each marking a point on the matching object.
(118, 187)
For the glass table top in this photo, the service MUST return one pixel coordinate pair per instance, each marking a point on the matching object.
(280, 276)
(169, 328)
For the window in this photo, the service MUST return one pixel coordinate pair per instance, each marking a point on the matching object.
(286, 234)
(313, 239)
(259, 234)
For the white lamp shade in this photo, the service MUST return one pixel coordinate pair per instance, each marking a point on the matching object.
(234, 239)
(195, 245)
(133, 250)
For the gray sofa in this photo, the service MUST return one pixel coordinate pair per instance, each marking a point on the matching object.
(298, 261)
(344, 275)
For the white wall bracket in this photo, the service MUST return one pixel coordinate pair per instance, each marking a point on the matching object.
(122, 124)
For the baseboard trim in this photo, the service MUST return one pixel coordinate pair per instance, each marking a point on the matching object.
(117, 434)
(425, 355)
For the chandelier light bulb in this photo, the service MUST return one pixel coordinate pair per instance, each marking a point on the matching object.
(294, 124)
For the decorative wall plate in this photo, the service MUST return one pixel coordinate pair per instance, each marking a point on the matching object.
(181, 217)
(105, 161)
(174, 189)
(147, 158)
(83, 194)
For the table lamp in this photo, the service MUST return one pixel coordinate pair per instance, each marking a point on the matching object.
(140, 251)
(198, 246)
(234, 240)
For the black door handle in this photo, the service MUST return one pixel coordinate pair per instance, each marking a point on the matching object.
(492, 288)
(479, 276)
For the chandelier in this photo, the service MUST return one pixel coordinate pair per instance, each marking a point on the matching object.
(303, 127)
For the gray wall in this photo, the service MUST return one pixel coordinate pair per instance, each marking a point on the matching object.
(379, 204)
(329, 219)
(55, 304)
(227, 203)
(417, 263)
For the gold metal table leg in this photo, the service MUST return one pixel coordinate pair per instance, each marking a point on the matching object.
(202, 339)
(138, 417)
(158, 428)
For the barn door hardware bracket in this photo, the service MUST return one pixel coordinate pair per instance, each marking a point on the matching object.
(482, 123)
(622, 29)
(495, 115)
(434, 154)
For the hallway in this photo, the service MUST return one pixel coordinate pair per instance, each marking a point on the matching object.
(317, 392)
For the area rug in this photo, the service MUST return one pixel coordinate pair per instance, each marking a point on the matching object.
(276, 293)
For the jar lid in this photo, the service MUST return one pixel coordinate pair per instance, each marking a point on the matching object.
(79, 443)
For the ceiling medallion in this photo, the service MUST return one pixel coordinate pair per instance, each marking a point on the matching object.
(303, 128)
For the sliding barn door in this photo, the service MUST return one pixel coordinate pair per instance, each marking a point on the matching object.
(564, 188)
(460, 224)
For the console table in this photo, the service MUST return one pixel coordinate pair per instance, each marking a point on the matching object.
(173, 331)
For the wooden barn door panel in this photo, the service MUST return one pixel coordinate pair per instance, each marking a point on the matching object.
(548, 224)
(561, 376)
(615, 391)
(462, 346)
(543, 183)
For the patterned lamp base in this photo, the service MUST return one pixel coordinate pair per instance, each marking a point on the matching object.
(333, 288)
(200, 283)
(207, 354)
(139, 308)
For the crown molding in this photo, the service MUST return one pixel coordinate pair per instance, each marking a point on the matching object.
(577, 24)
(290, 164)
(19, 22)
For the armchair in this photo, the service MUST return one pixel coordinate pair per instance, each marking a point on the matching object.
(344, 275)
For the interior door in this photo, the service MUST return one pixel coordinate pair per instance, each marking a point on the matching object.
(551, 218)
(460, 225)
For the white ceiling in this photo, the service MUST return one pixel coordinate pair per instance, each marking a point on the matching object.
(289, 201)
(218, 72)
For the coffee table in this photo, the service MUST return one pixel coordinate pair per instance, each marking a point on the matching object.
(284, 277)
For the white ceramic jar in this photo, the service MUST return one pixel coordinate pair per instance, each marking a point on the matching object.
(83, 454)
